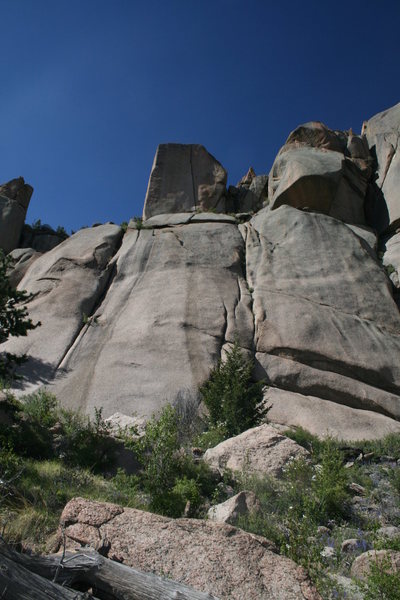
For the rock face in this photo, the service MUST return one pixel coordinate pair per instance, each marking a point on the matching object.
(178, 294)
(184, 177)
(323, 308)
(259, 451)
(66, 284)
(211, 557)
(129, 325)
(327, 419)
(14, 201)
(383, 134)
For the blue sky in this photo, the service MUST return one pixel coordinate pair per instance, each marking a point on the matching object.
(89, 88)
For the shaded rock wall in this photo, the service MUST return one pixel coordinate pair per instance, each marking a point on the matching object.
(129, 324)
(14, 201)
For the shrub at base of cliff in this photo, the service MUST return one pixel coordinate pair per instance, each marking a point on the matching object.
(14, 319)
(233, 400)
(47, 456)
(174, 483)
(42, 429)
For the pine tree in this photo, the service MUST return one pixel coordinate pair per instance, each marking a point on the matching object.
(234, 401)
(14, 320)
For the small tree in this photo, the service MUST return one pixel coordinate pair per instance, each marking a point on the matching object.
(234, 401)
(14, 319)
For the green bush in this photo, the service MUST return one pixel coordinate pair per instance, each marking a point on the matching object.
(185, 491)
(41, 408)
(169, 475)
(329, 484)
(42, 429)
(234, 401)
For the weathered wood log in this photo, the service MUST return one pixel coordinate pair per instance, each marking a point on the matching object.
(110, 580)
(19, 583)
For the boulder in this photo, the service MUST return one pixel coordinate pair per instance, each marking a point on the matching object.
(22, 259)
(177, 295)
(260, 451)
(242, 504)
(316, 135)
(388, 560)
(350, 546)
(327, 419)
(14, 201)
(211, 557)
(326, 324)
(383, 133)
(390, 531)
(184, 177)
(66, 284)
(321, 180)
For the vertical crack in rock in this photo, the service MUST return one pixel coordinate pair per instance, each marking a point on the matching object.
(389, 161)
(192, 176)
(224, 330)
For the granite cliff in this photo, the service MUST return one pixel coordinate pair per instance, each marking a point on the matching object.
(301, 266)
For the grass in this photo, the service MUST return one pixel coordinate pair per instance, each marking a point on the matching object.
(32, 510)
(311, 509)
(48, 456)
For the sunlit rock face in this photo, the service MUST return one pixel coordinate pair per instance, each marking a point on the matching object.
(132, 320)
(184, 177)
(383, 135)
(322, 170)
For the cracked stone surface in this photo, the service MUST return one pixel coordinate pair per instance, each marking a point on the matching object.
(304, 291)
(211, 557)
(184, 177)
(326, 324)
(178, 294)
(66, 284)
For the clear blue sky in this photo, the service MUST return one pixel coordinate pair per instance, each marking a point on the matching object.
(89, 88)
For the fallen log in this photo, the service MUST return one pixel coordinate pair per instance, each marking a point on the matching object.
(109, 580)
(19, 583)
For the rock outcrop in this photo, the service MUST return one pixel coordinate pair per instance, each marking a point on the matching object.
(242, 504)
(305, 284)
(211, 557)
(14, 201)
(258, 451)
(326, 324)
(66, 284)
(184, 177)
(315, 171)
(178, 294)
(383, 135)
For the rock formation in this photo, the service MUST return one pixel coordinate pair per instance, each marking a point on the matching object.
(304, 274)
(14, 201)
(259, 451)
(211, 557)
